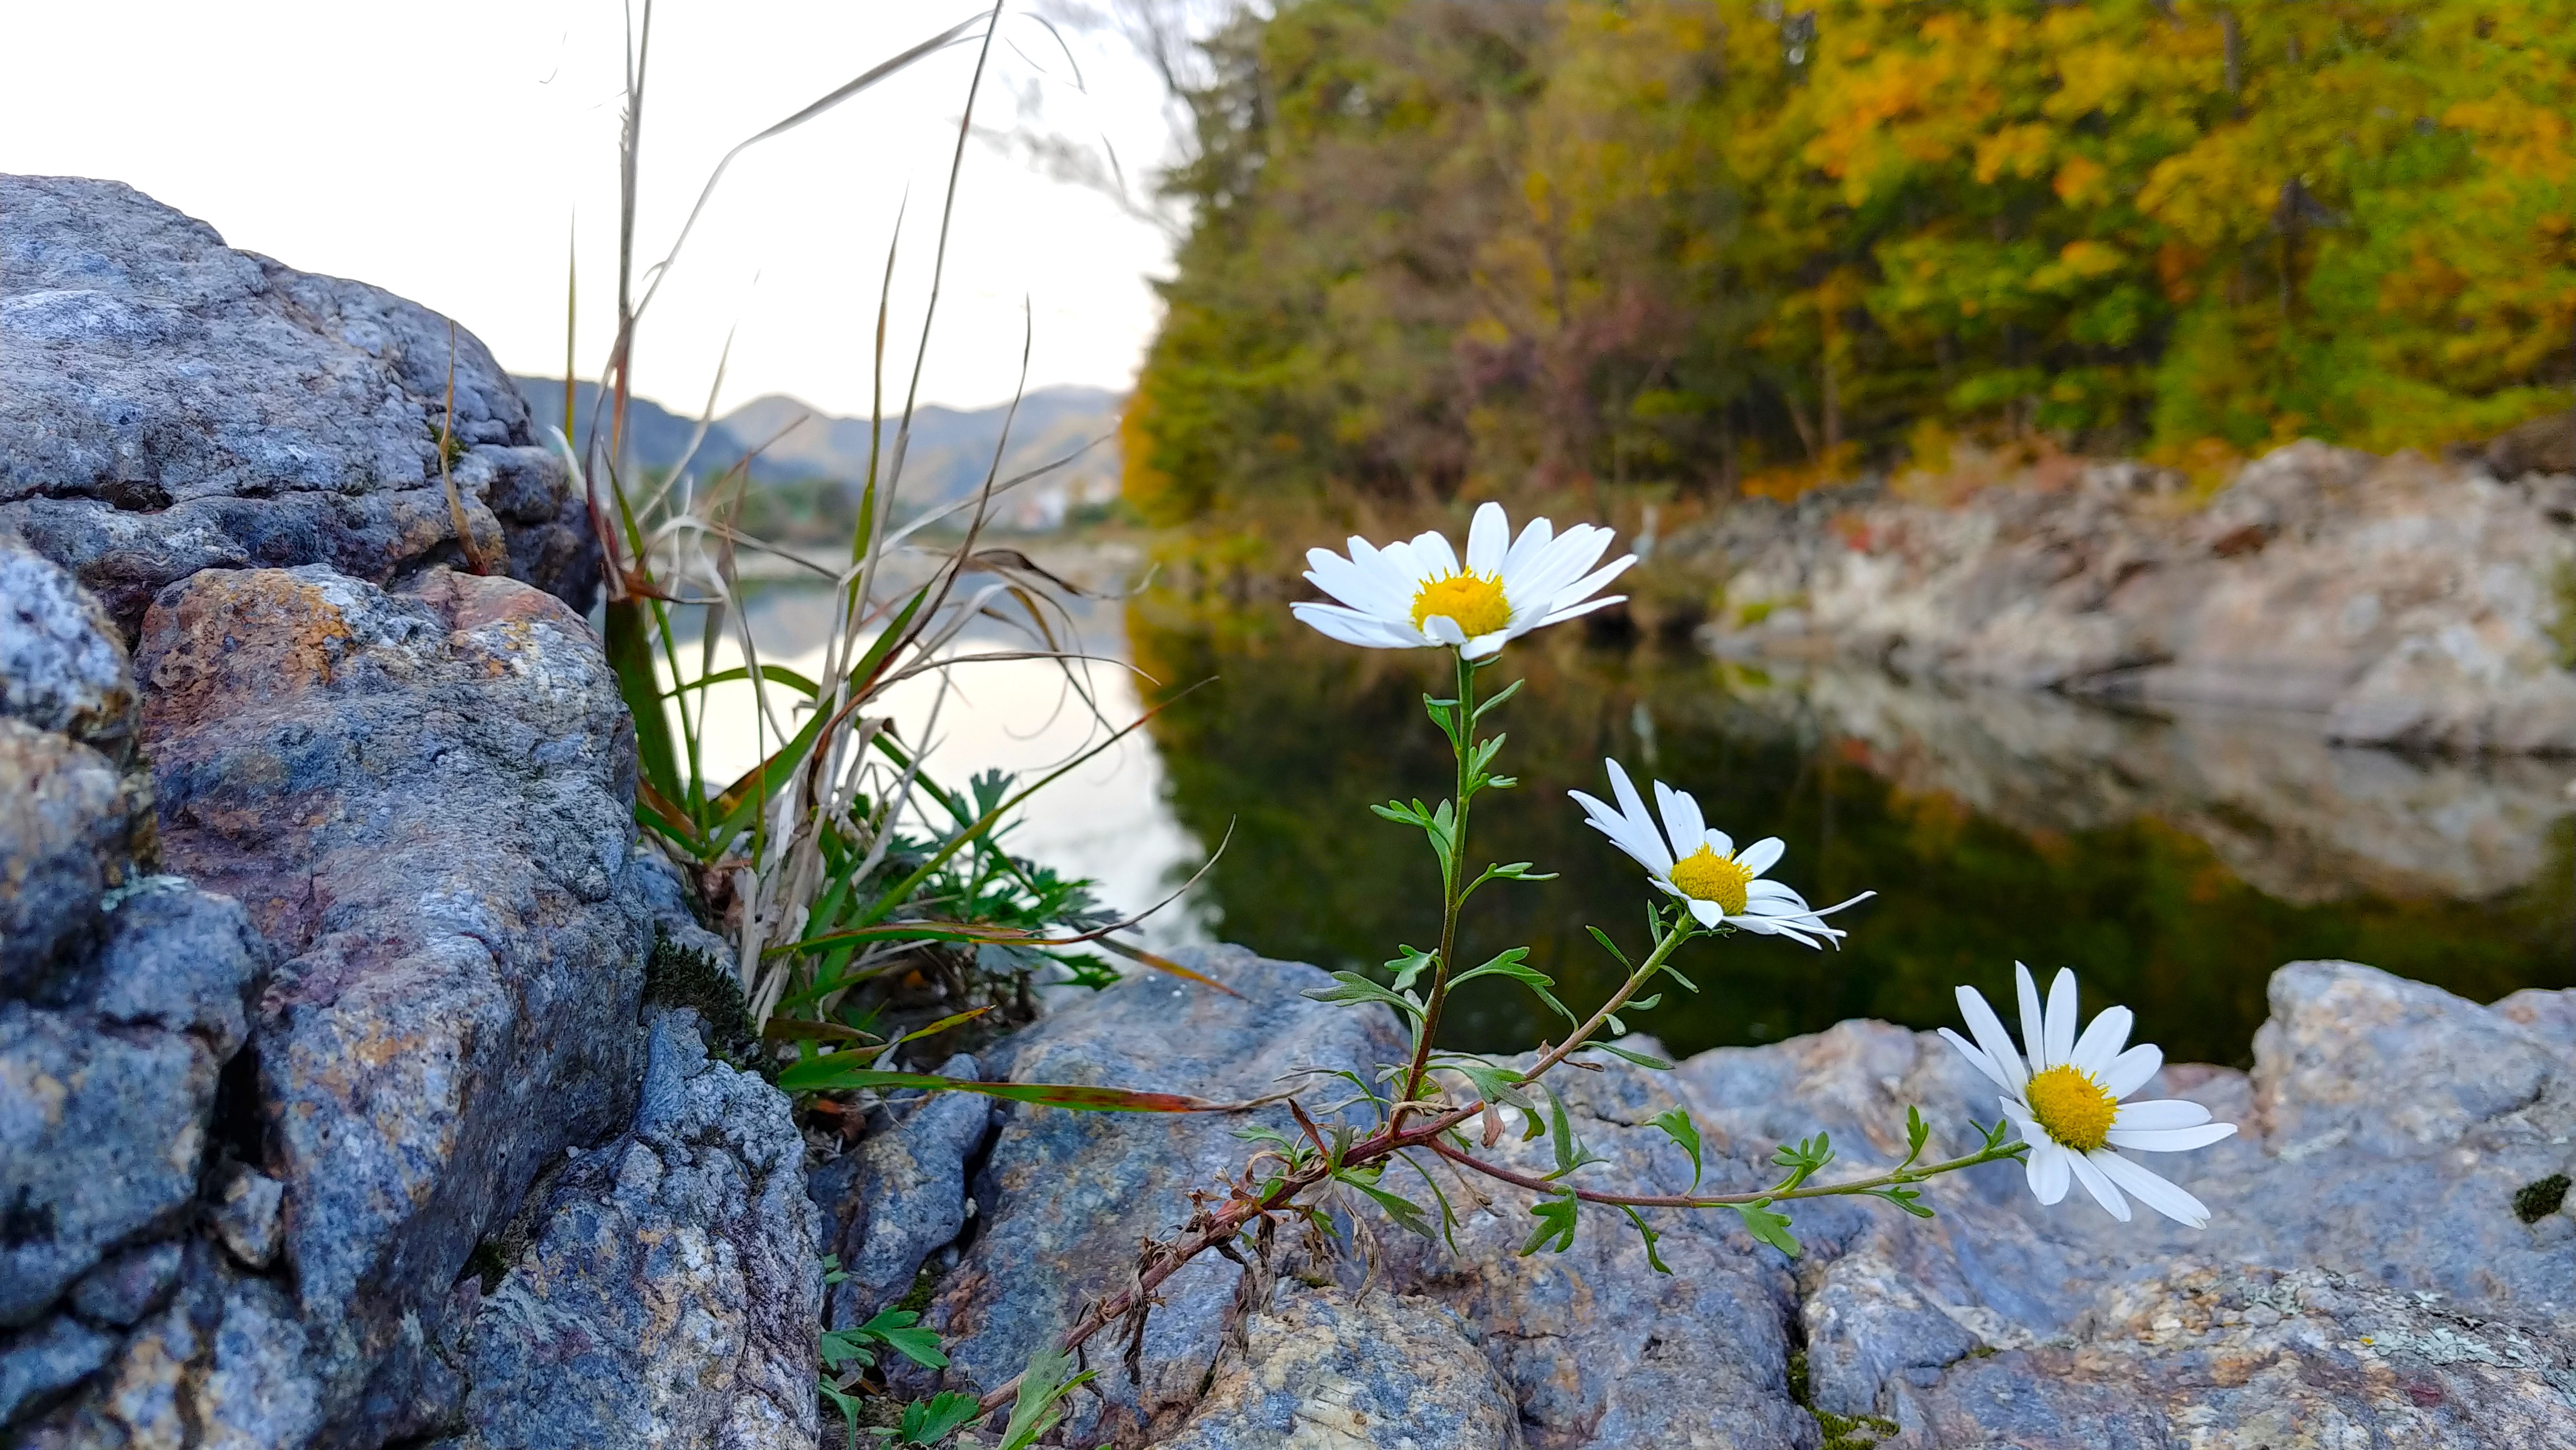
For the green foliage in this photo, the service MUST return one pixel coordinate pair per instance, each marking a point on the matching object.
(1443, 246)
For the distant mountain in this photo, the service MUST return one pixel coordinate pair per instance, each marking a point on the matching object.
(947, 459)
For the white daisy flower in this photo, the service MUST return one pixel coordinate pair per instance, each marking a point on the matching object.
(1719, 884)
(2065, 1097)
(1412, 594)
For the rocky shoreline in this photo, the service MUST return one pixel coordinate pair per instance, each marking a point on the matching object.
(338, 1108)
(2397, 602)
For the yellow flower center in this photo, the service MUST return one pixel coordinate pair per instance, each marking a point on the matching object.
(1704, 875)
(2072, 1107)
(1475, 601)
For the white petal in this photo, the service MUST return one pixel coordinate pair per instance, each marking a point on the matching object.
(1989, 1031)
(1708, 912)
(1977, 1058)
(2102, 1042)
(1634, 808)
(1758, 889)
(2047, 1168)
(1431, 549)
(1444, 630)
(1526, 550)
(1592, 583)
(1487, 538)
(2152, 1190)
(1682, 821)
(2170, 1140)
(1800, 937)
(1545, 578)
(1485, 644)
(2034, 1026)
(1351, 627)
(1762, 855)
(2131, 1069)
(2061, 1018)
(2103, 1190)
(1839, 905)
(1370, 591)
(1782, 902)
(2160, 1113)
(1560, 616)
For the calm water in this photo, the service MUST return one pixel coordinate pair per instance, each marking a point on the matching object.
(2173, 862)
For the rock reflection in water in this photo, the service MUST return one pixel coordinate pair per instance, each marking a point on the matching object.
(2294, 817)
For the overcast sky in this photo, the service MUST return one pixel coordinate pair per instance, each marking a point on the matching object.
(446, 151)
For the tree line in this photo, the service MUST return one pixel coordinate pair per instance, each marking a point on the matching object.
(1446, 245)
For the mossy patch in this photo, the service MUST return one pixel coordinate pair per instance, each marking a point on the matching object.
(2538, 1200)
(1842, 1432)
(678, 976)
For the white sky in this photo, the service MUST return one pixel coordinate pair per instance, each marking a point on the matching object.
(442, 151)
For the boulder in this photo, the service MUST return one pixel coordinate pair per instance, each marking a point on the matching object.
(671, 1293)
(2376, 1270)
(168, 404)
(422, 800)
(2384, 601)
(62, 659)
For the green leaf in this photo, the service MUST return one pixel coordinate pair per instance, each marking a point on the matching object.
(821, 1074)
(927, 1422)
(1570, 1152)
(1357, 988)
(1917, 1132)
(1042, 1386)
(1403, 1210)
(1771, 1228)
(847, 1346)
(1677, 1125)
(1649, 1235)
(1494, 1082)
(1642, 1059)
(1505, 693)
(1609, 946)
(833, 1273)
(847, 1404)
(1908, 1199)
(899, 1329)
(1409, 965)
(1555, 1231)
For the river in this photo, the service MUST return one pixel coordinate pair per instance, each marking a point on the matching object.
(2173, 861)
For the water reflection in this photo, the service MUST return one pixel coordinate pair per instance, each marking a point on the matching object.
(2175, 863)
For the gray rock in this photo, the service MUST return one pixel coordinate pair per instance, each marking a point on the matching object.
(47, 1361)
(1067, 1199)
(100, 1138)
(246, 1214)
(68, 835)
(125, 1288)
(2384, 601)
(672, 1294)
(105, 1105)
(900, 1195)
(62, 662)
(168, 405)
(422, 800)
(2259, 1356)
(1379, 1372)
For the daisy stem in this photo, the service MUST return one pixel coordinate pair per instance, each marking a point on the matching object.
(1462, 741)
(1894, 1178)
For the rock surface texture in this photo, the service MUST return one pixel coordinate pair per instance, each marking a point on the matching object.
(2367, 1280)
(330, 1111)
(168, 405)
(2396, 601)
